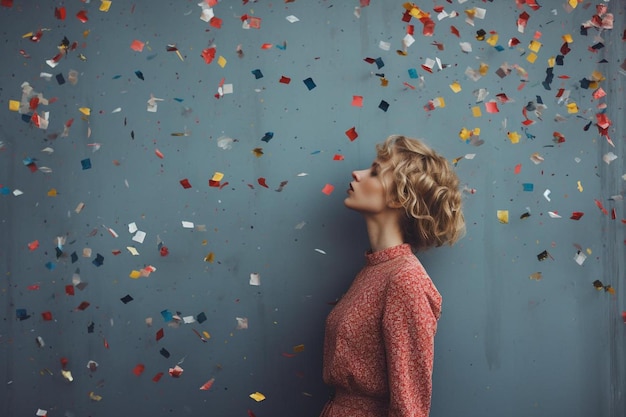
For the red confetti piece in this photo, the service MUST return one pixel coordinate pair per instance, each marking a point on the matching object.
(558, 137)
(577, 215)
(262, 182)
(82, 306)
(328, 189)
(357, 101)
(624, 316)
(82, 16)
(208, 55)
(64, 362)
(518, 169)
(338, 157)
(160, 334)
(455, 31)
(60, 13)
(159, 153)
(285, 80)
(267, 46)
(601, 207)
(251, 414)
(255, 22)
(185, 183)
(139, 368)
(207, 385)
(164, 251)
(157, 377)
(105, 343)
(7, 3)
(33, 287)
(46, 316)
(69, 289)
(33, 245)
(216, 22)
(213, 183)
(352, 134)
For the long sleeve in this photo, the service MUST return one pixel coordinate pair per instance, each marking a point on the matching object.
(409, 326)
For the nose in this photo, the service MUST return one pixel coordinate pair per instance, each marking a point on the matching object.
(355, 175)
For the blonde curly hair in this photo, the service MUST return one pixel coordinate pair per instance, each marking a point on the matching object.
(426, 186)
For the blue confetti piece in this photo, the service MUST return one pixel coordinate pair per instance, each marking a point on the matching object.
(499, 48)
(309, 83)
(180, 100)
(528, 186)
(74, 257)
(167, 315)
(139, 74)
(21, 313)
(27, 161)
(26, 118)
(282, 47)
(412, 73)
(315, 152)
(51, 265)
(86, 163)
(116, 77)
(60, 79)
(267, 137)
(383, 105)
(201, 317)
(98, 261)
(257, 73)
(379, 63)
(5, 191)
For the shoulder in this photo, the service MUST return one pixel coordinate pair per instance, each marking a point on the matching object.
(412, 287)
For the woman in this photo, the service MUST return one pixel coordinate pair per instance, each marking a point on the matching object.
(379, 343)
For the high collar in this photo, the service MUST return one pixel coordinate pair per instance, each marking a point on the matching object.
(375, 258)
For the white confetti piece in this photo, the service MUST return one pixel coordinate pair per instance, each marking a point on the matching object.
(320, 251)
(187, 225)
(546, 194)
(292, 19)
(132, 227)
(385, 46)
(139, 236)
(255, 278)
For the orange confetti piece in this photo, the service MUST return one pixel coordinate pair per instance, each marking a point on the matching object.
(267, 46)
(518, 169)
(158, 153)
(328, 189)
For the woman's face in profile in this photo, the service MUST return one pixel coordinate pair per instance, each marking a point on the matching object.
(366, 193)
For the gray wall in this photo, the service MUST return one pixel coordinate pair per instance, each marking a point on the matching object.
(507, 344)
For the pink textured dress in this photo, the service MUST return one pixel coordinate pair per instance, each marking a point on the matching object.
(379, 343)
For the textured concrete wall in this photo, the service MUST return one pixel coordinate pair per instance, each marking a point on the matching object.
(134, 114)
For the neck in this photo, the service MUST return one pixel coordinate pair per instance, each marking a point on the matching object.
(383, 232)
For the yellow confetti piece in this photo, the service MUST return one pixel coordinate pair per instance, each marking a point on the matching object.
(258, 152)
(52, 192)
(572, 108)
(298, 348)
(551, 62)
(206, 334)
(580, 187)
(95, 397)
(135, 274)
(476, 112)
(257, 396)
(105, 5)
(218, 176)
(483, 69)
(441, 101)
(532, 57)
(493, 39)
(221, 61)
(205, 242)
(384, 82)
(588, 251)
(534, 46)
(503, 216)
(86, 33)
(85, 110)
(27, 35)
(14, 105)
(513, 137)
(67, 375)
(455, 86)
(573, 3)
(536, 276)
(597, 76)
(210, 257)
(568, 38)
(132, 250)
(465, 134)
